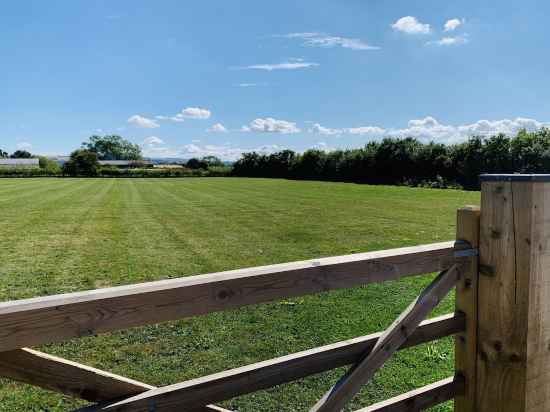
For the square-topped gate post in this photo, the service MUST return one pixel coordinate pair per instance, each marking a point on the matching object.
(513, 305)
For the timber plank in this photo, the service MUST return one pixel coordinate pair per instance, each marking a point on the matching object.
(71, 378)
(467, 229)
(36, 321)
(421, 398)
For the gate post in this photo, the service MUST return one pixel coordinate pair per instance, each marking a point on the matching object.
(513, 311)
(467, 229)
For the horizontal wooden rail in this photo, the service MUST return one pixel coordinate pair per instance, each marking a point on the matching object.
(71, 378)
(56, 318)
(262, 375)
(422, 398)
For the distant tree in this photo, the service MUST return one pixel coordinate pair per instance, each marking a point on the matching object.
(50, 166)
(82, 163)
(248, 165)
(112, 147)
(212, 161)
(310, 165)
(195, 163)
(3, 154)
(21, 154)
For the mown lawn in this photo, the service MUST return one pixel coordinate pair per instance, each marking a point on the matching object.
(64, 235)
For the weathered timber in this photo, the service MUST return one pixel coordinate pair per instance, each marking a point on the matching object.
(421, 398)
(467, 229)
(514, 295)
(56, 318)
(70, 378)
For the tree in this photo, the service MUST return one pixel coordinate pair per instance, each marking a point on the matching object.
(195, 163)
(50, 166)
(112, 147)
(21, 154)
(82, 163)
(212, 161)
(3, 154)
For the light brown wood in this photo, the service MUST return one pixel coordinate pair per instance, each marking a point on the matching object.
(514, 297)
(67, 377)
(421, 398)
(262, 375)
(43, 320)
(467, 229)
(351, 383)
(70, 378)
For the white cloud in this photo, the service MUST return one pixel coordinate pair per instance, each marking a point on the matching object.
(411, 25)
(450, 41)
(187, 113)
(506, 126)
(142, 122)
(24, 146)
(452, 24)
(223, 152)
(160, 151)
(217, 128)
(250, 84)
(428, 129)
(176, 118)
(195, 113)
(323, 146)
(270, 125)
(323, 40)
(153, 141)
(317, 128)
(366, 130)
(363, 130)
(289, 65)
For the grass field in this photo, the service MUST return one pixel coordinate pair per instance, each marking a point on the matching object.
(64, 235)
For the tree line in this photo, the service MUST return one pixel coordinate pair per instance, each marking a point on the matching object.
(409, 161)
(404, 161)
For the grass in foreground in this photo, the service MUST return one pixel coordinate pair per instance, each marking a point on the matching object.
(67, 235)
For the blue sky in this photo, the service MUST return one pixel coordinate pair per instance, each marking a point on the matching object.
(221, 77)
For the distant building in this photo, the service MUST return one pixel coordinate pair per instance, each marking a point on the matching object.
(27, 163)
(122, 164)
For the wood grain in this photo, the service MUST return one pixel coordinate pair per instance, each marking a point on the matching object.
(43, 320)
(421, 398)
(514, 297)
(503, 296)
(262, 375)
(351, 383)
(467, 229)
(71, 378)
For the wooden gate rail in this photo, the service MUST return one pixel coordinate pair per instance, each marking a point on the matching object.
(421, 398)
(57, 318)
(31, 322)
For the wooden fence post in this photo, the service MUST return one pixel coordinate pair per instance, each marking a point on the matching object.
(467, 229)
(513, 362)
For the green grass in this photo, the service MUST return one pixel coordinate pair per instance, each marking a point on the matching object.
(64, 235)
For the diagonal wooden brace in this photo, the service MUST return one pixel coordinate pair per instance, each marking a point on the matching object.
(352, 382)
(71, 378)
